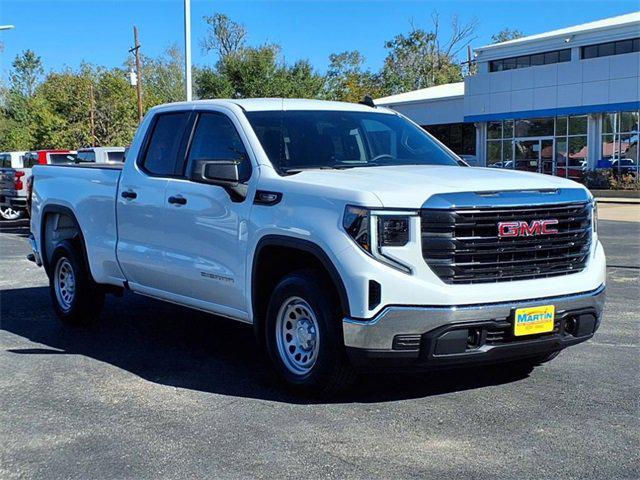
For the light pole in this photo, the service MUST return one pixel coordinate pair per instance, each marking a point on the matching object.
(187, 48)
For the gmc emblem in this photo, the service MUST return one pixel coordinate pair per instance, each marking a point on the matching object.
(526, 229)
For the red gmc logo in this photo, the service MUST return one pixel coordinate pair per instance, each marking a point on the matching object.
(526, 229)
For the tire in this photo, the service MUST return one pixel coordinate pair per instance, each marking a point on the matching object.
(77, 299)
(303, 335)
(9, 213)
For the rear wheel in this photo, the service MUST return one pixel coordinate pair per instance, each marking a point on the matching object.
(77, 299)
(9, 213)
(304, 336)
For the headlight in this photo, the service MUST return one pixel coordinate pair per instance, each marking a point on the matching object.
(356, 222)
(393, 231)
(374, 230)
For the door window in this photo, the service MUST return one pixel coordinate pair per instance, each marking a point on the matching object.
(215, 138)
(164, 144)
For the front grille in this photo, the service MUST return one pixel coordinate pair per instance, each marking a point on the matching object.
(462, 246)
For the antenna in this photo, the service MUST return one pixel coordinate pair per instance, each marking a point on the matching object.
(368, 101)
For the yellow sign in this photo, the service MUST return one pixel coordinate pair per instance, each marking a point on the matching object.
(532, 320)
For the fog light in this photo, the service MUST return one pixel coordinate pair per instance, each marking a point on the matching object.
(570, 325)
(474, 338)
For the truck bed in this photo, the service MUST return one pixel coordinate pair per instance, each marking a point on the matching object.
(88, 191)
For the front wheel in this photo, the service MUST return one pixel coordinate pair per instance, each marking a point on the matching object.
(304, 334)
(10, 213)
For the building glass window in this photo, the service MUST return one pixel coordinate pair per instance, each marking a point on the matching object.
(534, 127)
(500, 144)
(459, 137)
(525, 61)
(571, 146)
(528, 144)
(620, 143)
(611, 48)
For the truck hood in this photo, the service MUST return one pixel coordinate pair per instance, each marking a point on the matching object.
(409, 186)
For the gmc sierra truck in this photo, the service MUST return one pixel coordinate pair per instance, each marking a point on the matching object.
(345, 234)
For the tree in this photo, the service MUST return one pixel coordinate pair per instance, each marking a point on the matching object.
(27, 70)
(163, 77)
(209, 83)
(421, 59)
(224, 36)
(505, 35)
(116, 116)
(347, 81)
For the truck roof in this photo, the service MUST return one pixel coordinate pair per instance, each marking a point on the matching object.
(101, 149)
(271, 104)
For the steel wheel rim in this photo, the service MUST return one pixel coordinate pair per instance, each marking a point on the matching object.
(9, 213)
(64, 283)
(297, 335)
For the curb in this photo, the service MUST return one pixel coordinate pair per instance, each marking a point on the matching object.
(620, 201)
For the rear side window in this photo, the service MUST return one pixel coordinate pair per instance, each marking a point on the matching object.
(115, 156)
(29, 160)
(164, 144)
(215, 138)
(5, 161)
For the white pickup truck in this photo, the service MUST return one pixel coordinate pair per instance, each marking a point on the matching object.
(345, 234)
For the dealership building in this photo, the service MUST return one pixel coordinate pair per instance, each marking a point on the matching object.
(562, 102)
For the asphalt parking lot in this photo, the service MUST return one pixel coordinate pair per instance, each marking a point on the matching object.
(157, 391)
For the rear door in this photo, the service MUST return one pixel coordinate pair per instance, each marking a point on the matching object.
(206, 231)
(141, 203)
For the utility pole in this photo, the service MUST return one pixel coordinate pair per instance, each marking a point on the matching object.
(92, 121)
(136, 50)
(187, 49)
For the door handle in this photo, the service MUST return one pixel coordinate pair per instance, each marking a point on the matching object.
(178, 200)
(129, 194)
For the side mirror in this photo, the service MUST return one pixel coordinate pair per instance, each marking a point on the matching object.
(216, 172)
(223, 173)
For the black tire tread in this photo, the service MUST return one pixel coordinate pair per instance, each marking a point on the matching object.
(341, 374)
(89, 296)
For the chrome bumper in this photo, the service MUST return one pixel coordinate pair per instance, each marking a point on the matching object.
(378, 333)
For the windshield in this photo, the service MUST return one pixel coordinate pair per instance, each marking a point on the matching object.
(299, 140)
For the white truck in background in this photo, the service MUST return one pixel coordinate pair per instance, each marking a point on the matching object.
(13, 194)
(101, 154)
(346, 235)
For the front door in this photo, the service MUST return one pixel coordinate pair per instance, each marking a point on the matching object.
(206, 229)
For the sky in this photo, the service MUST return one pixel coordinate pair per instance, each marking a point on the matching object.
(66, 33)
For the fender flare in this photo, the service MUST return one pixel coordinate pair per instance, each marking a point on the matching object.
(54, 208)
(306, 246)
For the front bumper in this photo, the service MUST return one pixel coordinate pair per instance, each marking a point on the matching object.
(469, 334)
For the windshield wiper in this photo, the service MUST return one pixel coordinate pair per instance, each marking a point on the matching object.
(294, 170)
(331, 167)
